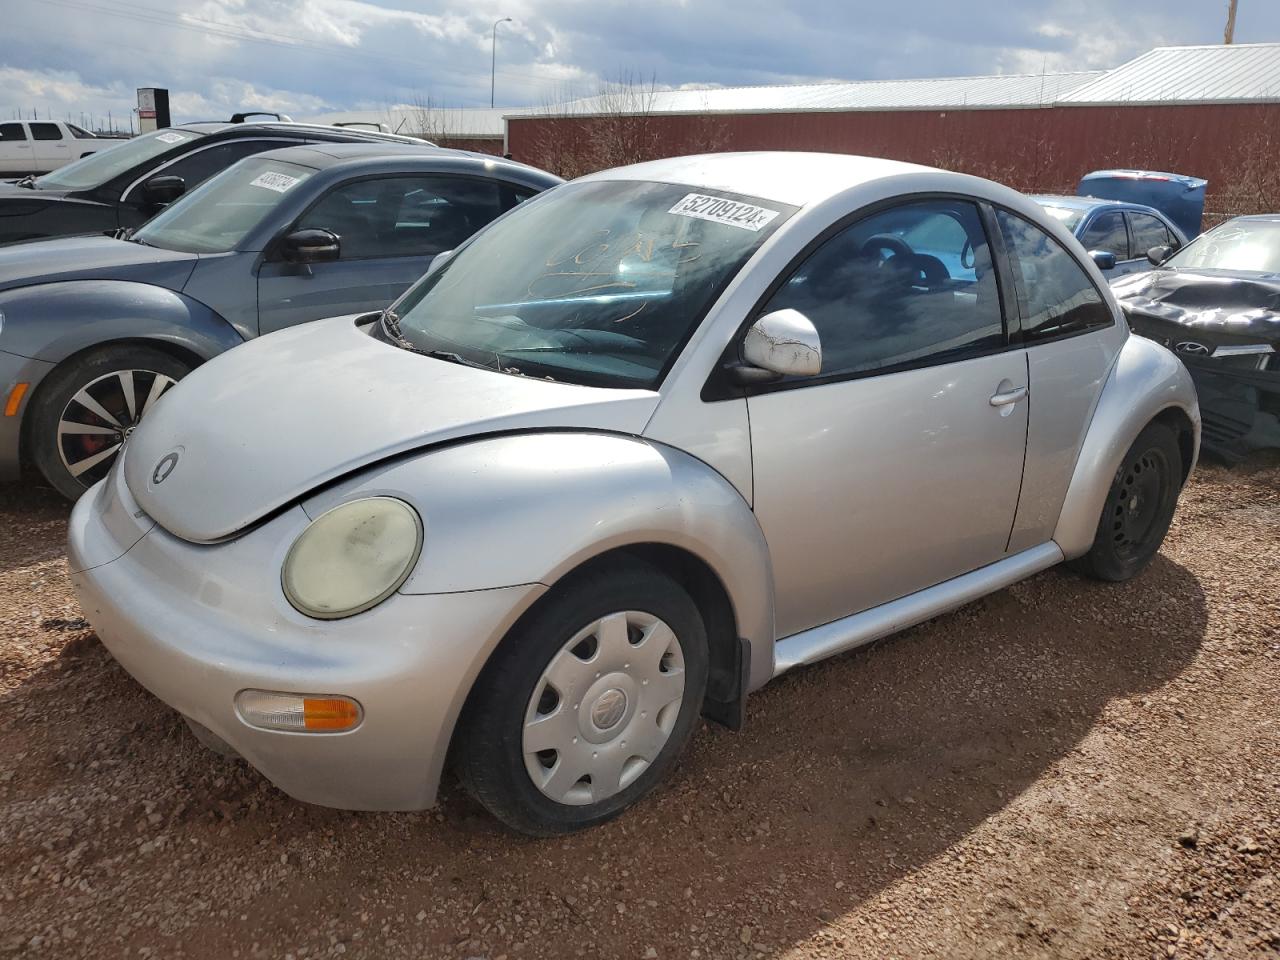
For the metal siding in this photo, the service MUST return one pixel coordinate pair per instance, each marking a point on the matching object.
(1240, 72)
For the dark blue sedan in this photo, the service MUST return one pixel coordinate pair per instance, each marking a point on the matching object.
(1111, 228)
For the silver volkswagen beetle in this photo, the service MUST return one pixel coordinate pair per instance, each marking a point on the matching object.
(648, 441)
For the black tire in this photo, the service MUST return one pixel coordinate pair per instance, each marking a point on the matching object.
(488, 750)
(1139, 507)
(94, 370)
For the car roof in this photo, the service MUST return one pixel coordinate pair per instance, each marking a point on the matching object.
(1087, 204)
(1266, 217)
(323, 156)
(339, 134)
(788, 177)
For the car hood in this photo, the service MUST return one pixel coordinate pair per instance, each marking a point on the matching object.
(266, 423)
(92, 258)
(1235, 303)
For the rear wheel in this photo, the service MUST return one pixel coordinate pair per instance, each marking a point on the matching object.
(588, 704)
(1139, 507)
(87, 408)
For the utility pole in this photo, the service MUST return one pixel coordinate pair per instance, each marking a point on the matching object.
(493, 57)
(1229, 35)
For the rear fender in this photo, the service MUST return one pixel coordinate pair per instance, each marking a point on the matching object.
(1146, 382)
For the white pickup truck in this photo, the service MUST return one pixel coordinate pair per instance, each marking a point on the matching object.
(39, 146)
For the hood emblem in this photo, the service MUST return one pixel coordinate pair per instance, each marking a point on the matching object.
(1190, 346)
(165, 467)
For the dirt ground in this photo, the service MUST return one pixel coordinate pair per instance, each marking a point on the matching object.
(1064, 769)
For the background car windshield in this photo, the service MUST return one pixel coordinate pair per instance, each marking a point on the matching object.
(1236, 245)
(595, 283)
(98, 168)
(218, 214)
(1067, 216)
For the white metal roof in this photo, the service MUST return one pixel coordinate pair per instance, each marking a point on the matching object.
(1240, 73)
(430, 122)
(947, 93)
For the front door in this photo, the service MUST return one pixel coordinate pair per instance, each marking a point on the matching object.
(388, 229)
(899, 466)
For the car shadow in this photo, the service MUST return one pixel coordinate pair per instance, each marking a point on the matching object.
(33, 522)
(849, 776)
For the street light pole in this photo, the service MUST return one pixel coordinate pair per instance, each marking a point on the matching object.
(493, 57)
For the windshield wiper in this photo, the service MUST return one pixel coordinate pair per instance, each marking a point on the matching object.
(452, 357)
(29, 181)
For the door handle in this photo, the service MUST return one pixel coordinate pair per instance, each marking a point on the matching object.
(1006, 397)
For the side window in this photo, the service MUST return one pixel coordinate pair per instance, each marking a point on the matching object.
(199, 165)
(1055, 295)
(1148, 232)
(1106, 232)
(905, 287)
(405, 216)
(12, 131)
(79, 133)
(45, 131)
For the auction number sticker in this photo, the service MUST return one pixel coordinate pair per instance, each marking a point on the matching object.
(279, 182)
(171, 138)
(719, 210)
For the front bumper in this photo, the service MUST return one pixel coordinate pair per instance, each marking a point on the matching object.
(13, 371)
(196, 624)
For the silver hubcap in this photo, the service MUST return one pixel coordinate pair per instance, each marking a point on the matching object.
(100, 418)
(604, 708)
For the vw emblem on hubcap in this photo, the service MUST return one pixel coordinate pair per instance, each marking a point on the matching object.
(165, 467)
(609, 708)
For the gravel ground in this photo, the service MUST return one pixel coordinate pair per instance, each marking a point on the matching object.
(1064, 769)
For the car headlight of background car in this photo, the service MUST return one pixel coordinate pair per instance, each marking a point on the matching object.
(352, 557)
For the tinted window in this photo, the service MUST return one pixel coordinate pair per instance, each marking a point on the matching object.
(1106, 232)
(199, 165)
(405, 216)
(910, 285)
(1055, 295)
(79, 133)
(45, 131)
(12, 131)
(1148, 232)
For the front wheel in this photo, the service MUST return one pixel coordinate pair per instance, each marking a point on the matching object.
(1139, 507)
(87, 408)
(588, 703)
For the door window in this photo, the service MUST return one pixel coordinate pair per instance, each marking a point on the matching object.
(1149, 232)
(910, 286)
(1106, 232)
(1055, 296)
(12, 131)
(45, 131)
(405, 216)
(79, 133)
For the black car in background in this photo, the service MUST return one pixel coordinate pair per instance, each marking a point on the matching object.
(127, 183)
(1216, 304)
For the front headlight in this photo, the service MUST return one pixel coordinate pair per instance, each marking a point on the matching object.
(352, 557)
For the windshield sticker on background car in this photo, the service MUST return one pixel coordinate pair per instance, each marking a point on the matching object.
(719, 210)
(171, 138)
(279, 182)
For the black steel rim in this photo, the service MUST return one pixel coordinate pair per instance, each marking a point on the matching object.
(1139, 502)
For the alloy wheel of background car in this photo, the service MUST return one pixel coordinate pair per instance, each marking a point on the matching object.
(1139, 507)
(85, 412)
(604, 708)
(587, 703)
(100, 417)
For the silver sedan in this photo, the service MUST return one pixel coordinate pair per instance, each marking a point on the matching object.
(650, 440)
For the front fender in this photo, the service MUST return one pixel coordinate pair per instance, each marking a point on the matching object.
(1145, 381)
(52, 321)
(531, 507)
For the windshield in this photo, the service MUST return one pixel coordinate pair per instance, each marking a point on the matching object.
(1236, 245)
(1067, 216)
(97, 168)
(218, 214)
(595, 283)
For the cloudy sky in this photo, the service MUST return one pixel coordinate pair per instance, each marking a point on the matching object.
(303, 57)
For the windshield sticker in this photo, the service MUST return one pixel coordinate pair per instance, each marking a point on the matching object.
(279, 182)
(719, 210)
(171, 138)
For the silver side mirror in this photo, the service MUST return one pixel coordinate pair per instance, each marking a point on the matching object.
(784, 343)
